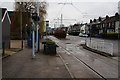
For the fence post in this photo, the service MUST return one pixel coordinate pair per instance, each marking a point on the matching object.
(3, 48)
(111, 48)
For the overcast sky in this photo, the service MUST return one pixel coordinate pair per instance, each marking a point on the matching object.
(81, 10)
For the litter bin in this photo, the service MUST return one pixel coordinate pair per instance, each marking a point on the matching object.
(49, 49)
(29, 41)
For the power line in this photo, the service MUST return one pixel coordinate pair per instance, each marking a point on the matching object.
(76, 8)
(58, 12)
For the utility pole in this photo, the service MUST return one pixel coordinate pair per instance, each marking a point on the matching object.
(54, 25)
(58, 22)
(61, 20)
(21, 25)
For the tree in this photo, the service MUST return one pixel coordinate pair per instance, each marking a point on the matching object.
(26, 7)
(21, 13)
(42, 13)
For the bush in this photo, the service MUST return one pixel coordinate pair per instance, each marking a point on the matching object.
(49, 42)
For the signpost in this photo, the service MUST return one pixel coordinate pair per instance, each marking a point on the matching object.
(47, 27)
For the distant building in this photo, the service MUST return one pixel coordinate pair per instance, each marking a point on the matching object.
(5, 28)
(111, 24)
(75, 27)
(95, 26)
(105, 25)
(84, 29)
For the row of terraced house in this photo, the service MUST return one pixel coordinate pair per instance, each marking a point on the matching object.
(102, 25)
(105, 25)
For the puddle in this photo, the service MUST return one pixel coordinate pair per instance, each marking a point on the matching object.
(67, 43)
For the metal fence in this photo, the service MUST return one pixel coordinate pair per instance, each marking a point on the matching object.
(100, 45)
(1, 51)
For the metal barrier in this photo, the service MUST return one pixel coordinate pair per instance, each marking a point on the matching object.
(100, 45)
(1, 49)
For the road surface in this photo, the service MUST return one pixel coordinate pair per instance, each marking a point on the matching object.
(103, 66)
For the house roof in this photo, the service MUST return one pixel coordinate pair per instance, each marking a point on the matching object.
(112, 18)
(98, 21)
(5, 13)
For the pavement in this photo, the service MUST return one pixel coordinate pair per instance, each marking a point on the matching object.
(21, 65)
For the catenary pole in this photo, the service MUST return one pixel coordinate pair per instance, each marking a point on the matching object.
(37, 28)
(33, 40)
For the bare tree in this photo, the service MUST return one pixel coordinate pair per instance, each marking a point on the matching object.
(26, 6)
(42, 13)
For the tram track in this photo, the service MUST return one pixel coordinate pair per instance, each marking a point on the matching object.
(79, 60)
(105, 74)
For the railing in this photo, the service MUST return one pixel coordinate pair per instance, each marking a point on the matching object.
(100, 45)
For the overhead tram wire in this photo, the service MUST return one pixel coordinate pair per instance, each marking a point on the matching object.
(58, 13)
(76, 8)
(63, 7)
(60, 9)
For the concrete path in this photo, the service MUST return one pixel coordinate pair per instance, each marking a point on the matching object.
(21, 65)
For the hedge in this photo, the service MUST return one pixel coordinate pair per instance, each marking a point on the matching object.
(111, 35)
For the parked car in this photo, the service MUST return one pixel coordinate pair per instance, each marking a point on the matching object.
(83, 35)
(97, 36)
(74, 33)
